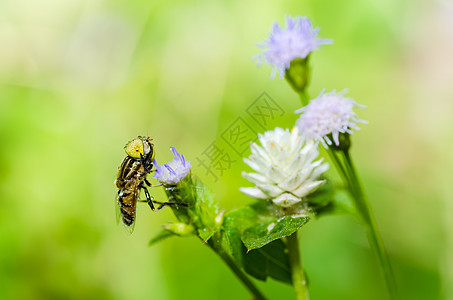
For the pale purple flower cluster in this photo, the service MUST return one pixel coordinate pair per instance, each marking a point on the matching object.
(284, 45)
(327, 114)
(174, 171)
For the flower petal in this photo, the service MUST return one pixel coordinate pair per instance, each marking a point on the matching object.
(253, 192)
(286, 200)
(270, 190)
(174, 171)
(255, 178)
(308, 188)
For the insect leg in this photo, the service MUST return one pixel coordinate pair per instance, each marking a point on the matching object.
(163, 204)
(151, 185)
(149, 200)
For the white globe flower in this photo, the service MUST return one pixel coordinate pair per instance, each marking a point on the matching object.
(286, 170)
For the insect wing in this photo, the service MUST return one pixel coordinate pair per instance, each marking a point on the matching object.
(117, 210)
(126, 199)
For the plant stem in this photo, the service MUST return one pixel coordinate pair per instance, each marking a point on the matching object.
(297, 271)
(374, 238)
(336, 161)
(303, 96)
(215, 245)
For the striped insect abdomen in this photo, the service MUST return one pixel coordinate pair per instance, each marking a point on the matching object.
(127, 200)
(130, 176)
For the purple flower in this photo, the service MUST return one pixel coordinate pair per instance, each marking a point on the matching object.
(284, 45)
(174, 171)
(329, 113)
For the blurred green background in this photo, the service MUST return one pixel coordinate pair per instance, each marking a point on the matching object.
(78, 79)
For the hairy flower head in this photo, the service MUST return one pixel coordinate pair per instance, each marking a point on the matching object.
(174, 171)
(296, 41)
(328, 114)
(286, 170)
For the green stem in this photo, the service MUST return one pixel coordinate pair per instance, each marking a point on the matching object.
(341, 170)
(303, 96)
(374, 238)
(215, 245)
(297, 271)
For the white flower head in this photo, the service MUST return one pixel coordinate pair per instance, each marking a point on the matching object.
(327, 114)
(174, 171)
(296, 41)
(286, 170)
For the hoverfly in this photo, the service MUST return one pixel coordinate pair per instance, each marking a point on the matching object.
(132, 178)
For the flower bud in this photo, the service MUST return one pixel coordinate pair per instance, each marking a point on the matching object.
(344, 142)
(298, 74)
(180, 229)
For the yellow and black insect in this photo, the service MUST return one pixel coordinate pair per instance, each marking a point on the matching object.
(132, 178)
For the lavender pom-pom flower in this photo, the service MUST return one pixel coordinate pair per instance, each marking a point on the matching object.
(296, 41)
(174, 171)
(328, 114)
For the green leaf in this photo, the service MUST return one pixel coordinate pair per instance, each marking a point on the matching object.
(205, 234)
(234, 223)
(270, 230)
(163, 235)
(201, 210)
(240, 218)
(270, 260)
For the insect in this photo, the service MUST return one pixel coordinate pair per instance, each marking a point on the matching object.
(132, 178)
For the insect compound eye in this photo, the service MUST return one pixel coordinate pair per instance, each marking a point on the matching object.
(148, 149)
(154, 154)
(135, 148)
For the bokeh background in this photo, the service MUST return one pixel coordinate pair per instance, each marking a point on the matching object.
(78, 79)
